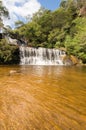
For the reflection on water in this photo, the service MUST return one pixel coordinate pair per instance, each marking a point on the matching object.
(42, 98)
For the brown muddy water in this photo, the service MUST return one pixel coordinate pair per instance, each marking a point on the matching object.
(42, 98)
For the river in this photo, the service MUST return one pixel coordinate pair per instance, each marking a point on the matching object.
(42, 98)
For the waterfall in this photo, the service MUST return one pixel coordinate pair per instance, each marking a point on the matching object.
(40, 56)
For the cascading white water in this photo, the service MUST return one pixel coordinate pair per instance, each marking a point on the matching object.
(40, 56)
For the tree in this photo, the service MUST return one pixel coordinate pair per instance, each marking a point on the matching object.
(3, 10)
(19, 23)
(3, 13)
(9, 54)
(60, 28)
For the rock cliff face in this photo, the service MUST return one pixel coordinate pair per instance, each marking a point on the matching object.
(82, 11)
(12, 41)
(70, 60)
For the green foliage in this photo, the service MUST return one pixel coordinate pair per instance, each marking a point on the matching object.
(9, 54)
(3, 10)
(3, 13)
(19, 23)
(60, 28)
(77, 45)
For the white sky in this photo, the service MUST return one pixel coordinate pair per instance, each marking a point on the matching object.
(19, 9)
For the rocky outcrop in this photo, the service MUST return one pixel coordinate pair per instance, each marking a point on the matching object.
(12, 41)
(70, 60)
(82, 11)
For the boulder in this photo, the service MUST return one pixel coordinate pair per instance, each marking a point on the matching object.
(70, 60)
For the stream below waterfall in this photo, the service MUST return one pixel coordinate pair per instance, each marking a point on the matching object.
(42, 98)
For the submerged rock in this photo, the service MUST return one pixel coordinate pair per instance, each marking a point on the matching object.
(12, 72)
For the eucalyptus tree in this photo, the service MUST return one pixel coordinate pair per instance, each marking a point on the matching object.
(19, 23)
(3, 13)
